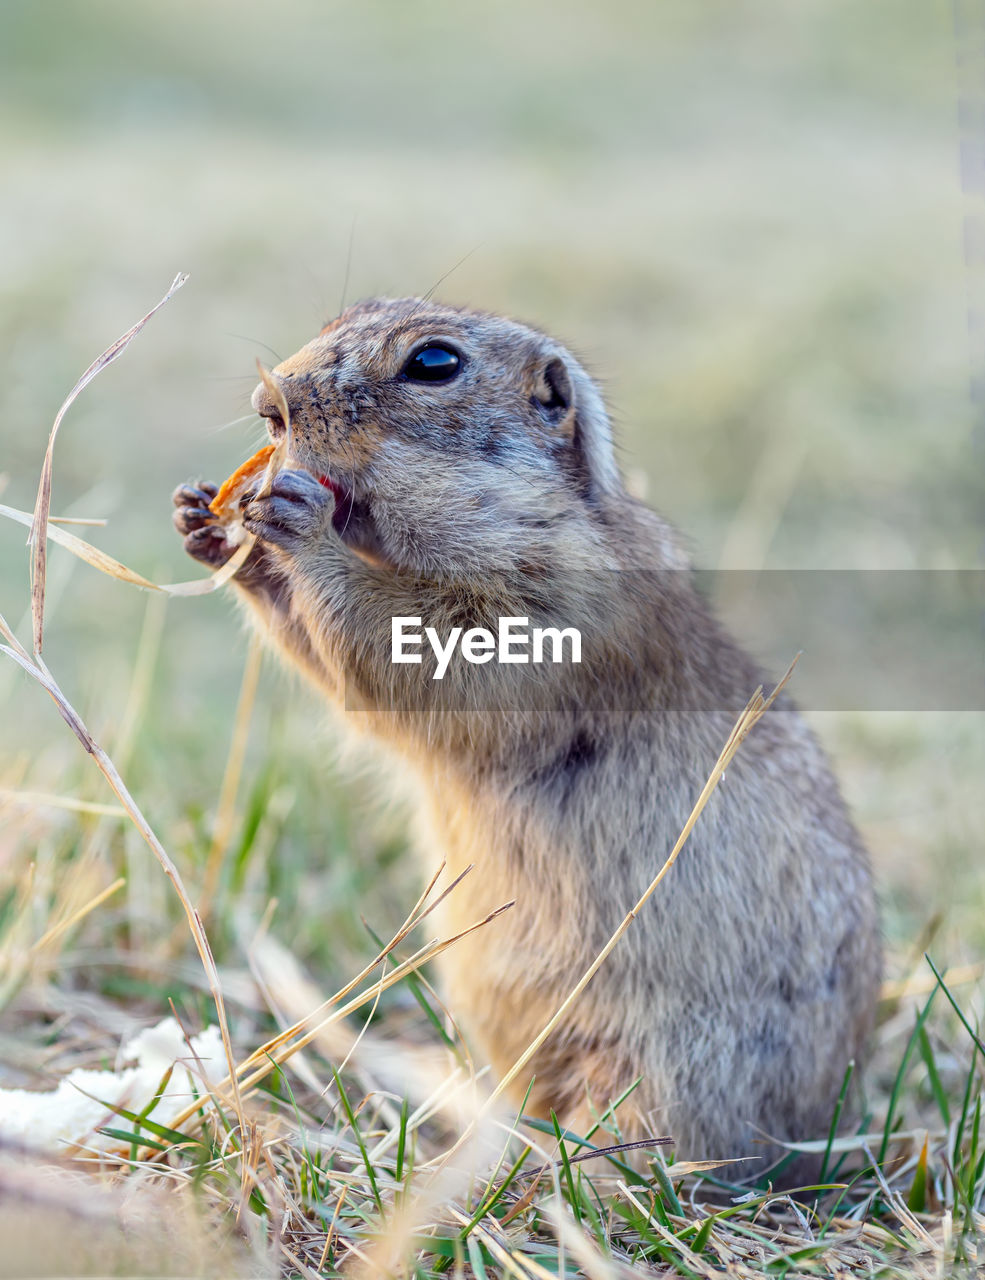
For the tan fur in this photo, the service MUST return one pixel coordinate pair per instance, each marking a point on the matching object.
(749, 980)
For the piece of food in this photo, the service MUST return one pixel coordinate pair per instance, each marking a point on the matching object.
(225, 504)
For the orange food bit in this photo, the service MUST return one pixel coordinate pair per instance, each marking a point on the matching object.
(226, 501)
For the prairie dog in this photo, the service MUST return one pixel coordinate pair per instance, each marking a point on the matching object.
(458, 468)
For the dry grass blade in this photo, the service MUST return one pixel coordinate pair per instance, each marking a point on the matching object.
(754, 711)
(44, 526)
(226, 811)
(42, 800)
(282, 1047)
(115, 569)
(202, 586)
(920, 985)
(687, 1255)
(643, 1144)
(84, 550)
(574, 1240)
(39, 672)
(39, 528)
(524, 1268)
(419, 912)
(63, 926)
(279, 454)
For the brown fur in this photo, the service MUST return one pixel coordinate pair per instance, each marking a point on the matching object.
(749, 980)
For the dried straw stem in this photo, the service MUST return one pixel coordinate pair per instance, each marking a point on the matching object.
(754, 711)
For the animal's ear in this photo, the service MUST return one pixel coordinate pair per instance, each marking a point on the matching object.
(553, 392)
(570, 404)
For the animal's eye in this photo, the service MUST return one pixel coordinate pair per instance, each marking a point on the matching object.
(433, 363)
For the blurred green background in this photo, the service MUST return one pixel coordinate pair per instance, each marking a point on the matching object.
(746, 217)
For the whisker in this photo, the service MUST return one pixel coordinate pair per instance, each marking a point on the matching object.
(451, 271)
(233, 422)
(257, 343)
(351, 488)
(348, 264)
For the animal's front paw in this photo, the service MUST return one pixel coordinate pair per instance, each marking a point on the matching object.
(204, 539)
(296, 510)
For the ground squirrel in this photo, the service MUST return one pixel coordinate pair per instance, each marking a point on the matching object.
(457, 468)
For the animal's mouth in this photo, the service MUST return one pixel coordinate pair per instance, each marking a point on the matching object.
(277, 429)
(355, 521)
(353, 518)
(344, 502)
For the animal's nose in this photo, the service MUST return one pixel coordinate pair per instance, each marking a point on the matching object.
(263, 401)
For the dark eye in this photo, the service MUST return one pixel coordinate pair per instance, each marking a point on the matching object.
(434, 363)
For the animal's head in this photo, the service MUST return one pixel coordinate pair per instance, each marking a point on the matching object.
(454, 441)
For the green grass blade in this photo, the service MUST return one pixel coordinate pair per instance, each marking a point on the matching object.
(566, 1168)
(836, 1117)
(490, 1201)
(159, 1130)
(663, 1181)
(126, 1135)
(957, 1008)
(704, 1235)
(917, 1196)
(610, 1112)
(898, 1081)
(360, 1141)
(969, 1086)
(416, 988)
(933, 1076)
(475, 1258)
(402, 1140)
